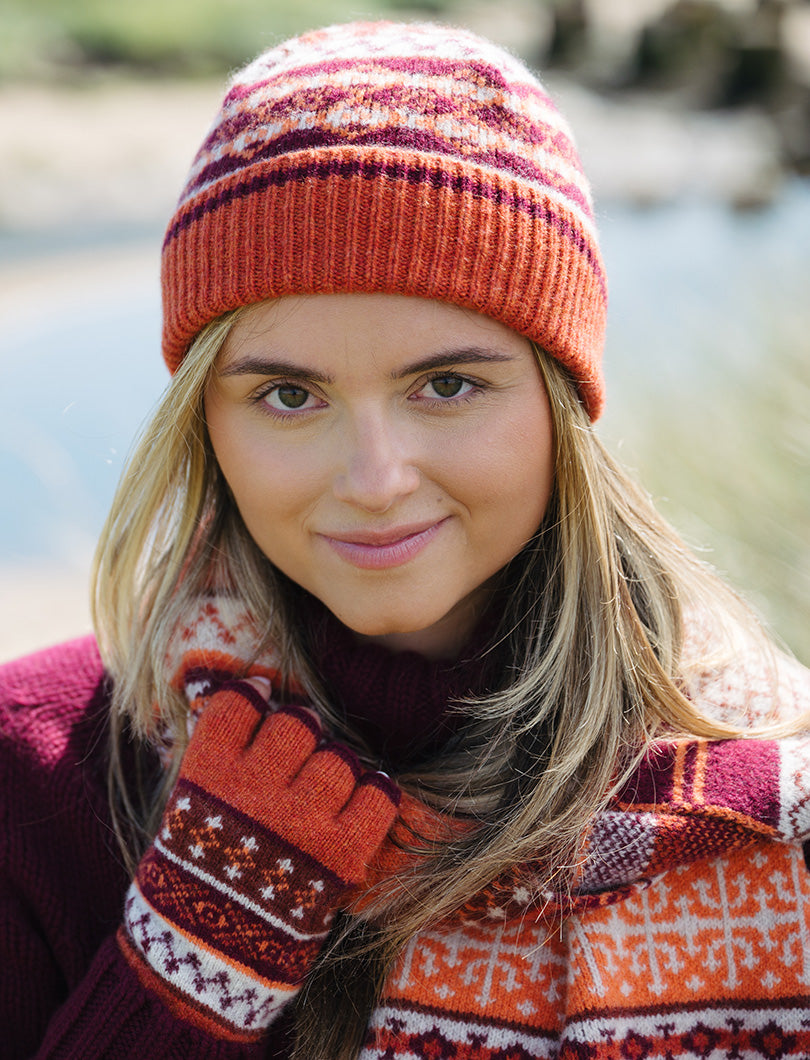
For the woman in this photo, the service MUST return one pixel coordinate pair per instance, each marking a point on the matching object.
(425, 735)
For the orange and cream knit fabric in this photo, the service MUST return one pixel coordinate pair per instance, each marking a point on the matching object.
(409, 159)
(258, 845)
(688, 932)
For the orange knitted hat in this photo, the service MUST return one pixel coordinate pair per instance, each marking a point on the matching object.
(410, 159)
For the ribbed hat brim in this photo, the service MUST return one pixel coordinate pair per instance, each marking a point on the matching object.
(383, 220)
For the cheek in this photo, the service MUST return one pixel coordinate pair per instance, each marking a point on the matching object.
(268, 483)
(270, 486)
(512, 471)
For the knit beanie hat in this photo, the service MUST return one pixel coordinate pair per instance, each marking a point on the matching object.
(412, 159)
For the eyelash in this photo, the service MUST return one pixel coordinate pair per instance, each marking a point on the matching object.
(476, 388)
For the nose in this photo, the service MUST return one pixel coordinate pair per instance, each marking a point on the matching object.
(377, 467)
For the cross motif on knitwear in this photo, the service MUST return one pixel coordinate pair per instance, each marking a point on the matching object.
(247, 845)
(507, 898)
(305, 898)
(758, 1032)
(274, 879)
(757, 689)
(494, 967)
(281, 885)
(209, 840)
(702, 938)
(227, 926)
(220, 635)
(722, 926)
(217, 625)
(396, 1031)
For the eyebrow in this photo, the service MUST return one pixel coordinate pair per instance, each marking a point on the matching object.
(290, 370)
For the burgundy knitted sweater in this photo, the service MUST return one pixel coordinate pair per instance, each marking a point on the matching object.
(65, 990)
(685, 939)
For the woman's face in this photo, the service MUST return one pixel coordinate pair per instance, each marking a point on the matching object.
(389, 454)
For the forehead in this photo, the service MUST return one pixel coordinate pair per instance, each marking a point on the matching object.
(346, 330)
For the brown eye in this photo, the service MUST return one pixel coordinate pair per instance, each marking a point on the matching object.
(290, 397)
(447, 386)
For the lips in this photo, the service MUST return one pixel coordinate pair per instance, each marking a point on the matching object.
(381, 549)
(382, 537)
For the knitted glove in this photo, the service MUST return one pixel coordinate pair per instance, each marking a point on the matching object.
(266, 830)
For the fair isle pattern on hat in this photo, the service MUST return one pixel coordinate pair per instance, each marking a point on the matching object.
(411, 159)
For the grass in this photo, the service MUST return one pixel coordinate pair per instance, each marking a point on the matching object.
(729, 464)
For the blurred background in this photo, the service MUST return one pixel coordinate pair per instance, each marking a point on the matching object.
(693, 120)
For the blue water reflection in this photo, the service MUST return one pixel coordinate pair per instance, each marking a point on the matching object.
(77, 381)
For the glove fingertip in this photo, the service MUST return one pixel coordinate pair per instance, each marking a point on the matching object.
(302, 715)
(226, 727)
(248, 692)
(383, 783)
(341, 751)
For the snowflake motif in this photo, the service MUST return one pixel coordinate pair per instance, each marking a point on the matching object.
(243, 857)
(275, 880)
(306, 898)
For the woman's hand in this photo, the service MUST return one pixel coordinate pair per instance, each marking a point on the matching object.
(268, 828)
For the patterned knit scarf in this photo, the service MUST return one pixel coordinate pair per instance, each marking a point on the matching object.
(690, 799)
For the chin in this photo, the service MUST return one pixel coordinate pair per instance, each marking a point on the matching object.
(374, 626)
(384, 622)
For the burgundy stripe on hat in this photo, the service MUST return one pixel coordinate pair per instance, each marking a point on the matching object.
(435, 162)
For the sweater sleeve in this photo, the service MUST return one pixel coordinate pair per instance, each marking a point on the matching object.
(109, 1014)
(66, 990)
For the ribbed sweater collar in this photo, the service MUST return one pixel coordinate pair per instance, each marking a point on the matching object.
(399, 702)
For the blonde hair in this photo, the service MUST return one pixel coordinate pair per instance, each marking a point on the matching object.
(171, 529)
(591, 633)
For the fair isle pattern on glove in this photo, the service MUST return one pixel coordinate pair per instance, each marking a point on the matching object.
(266, 831)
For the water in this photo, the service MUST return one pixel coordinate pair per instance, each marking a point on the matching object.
(80, 371)
(698, 288)
(694, 288)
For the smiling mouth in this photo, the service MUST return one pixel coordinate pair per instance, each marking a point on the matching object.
(378, 550)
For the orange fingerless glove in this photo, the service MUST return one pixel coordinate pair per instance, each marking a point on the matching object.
(266, 831)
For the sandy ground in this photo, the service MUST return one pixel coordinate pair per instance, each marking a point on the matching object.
(113, 153)
(42, 605)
